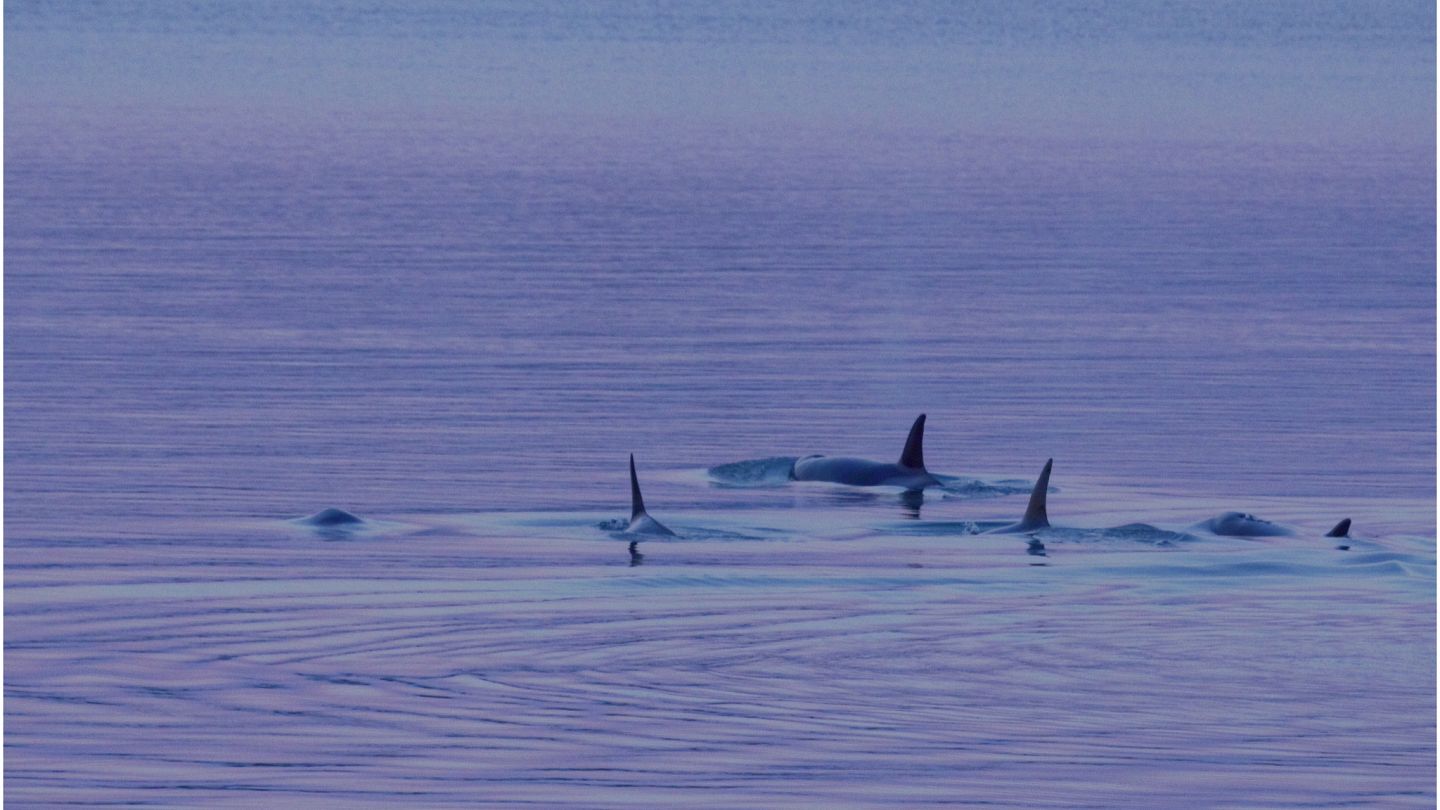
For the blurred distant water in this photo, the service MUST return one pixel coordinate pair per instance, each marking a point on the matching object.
(239, 329)
(241, 287)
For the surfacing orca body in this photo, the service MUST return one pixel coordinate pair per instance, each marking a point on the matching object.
(1035, 518)
(1240, 524)
(640, 521)
(909, 472)
(331, 518)
(335, 524)
(1342, 531)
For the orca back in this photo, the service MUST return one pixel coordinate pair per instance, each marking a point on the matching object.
(332, 517)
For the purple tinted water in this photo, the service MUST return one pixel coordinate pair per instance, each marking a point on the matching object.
(458, 324)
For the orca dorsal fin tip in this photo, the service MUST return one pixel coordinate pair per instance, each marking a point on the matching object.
(637, 503)
(1342, 529)
(913, 456)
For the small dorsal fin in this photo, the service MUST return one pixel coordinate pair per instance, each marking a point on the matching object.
(1342, 529)
(1035, 517)
(637, 503)
(914, 453)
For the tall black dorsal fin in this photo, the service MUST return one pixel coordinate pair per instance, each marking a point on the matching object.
(1342, 529)
(914, 454)
(637, 503)
(1035, 517)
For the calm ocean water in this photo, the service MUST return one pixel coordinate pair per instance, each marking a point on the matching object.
(448, 267)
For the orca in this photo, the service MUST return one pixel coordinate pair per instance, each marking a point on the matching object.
(1341, 531)
(331, 518)
(1035, 518)
(640, 520)
(1240, 524)
(1036, 521)
(335, 524)
(909, 472)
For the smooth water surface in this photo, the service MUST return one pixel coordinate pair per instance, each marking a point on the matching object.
(446, 269)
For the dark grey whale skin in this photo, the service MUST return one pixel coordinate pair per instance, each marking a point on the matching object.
(640, 520)
(909, 472)
(331, 517)
(1035, 517)
(1240, 524)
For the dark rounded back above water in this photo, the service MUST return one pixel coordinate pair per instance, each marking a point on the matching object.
(909, 472)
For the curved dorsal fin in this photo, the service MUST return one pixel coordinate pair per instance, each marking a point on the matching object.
(1342, 529)
(1035, 517)
(914, 454)
(637, 503)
